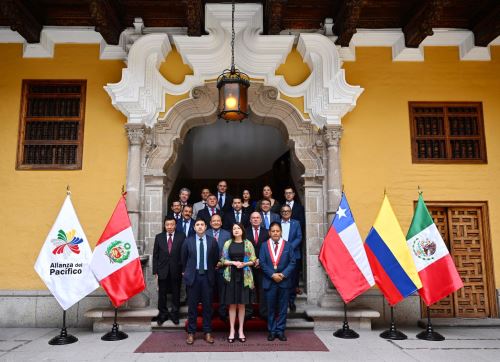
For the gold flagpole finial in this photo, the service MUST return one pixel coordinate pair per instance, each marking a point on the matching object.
(420, 192)
(385, 191)
(68, 192)
(342, 188)
(123, 191)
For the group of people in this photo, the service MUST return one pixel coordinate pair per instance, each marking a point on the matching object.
(240, 250)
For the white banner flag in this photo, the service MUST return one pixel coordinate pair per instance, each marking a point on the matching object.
(63, 262)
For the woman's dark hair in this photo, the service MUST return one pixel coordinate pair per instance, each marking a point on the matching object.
(243, 233)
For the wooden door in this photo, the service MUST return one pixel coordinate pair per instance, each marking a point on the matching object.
(464, 229)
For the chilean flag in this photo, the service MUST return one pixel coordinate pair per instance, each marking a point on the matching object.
(115, 261)
(343, 255)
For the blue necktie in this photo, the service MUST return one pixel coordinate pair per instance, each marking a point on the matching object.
(220, 201)
(266, 220)
(201, 258)
(185, 227)
(237, 216)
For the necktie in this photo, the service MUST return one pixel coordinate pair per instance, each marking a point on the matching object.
(185, 227)
(213, 211)
(169, 243)
(289, 203)
(220, 201)
(276, 244)
(237, 216)
(266, 220)
(256, 236)
(216, 235)
(201, 258)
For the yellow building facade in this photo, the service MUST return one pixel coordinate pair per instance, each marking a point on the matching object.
(375, 154)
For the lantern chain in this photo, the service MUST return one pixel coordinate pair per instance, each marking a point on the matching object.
(232, 37)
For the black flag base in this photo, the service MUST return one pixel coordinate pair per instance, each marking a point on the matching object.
(63, 338)
(393, 333)
(429, 334)
(115, 334)
(345, 332)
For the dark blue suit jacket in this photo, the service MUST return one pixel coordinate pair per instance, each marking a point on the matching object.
(295, 237)
(179, 227)
(273, 217)
(224, 236)
(286, 265)
(188, 257)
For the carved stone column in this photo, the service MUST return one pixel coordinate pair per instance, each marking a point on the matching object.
(332, 137)
(135, 133)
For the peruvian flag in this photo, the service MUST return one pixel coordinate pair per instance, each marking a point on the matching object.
(434, 264)
(343, 255)
(115, 261)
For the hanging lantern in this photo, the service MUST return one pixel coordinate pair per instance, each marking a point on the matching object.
(233, 88)
(233, 95)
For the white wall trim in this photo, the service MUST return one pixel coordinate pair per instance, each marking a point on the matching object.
(463, 39)
(394, 38)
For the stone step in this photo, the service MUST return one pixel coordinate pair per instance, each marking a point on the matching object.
(460, 322)
(333, 317)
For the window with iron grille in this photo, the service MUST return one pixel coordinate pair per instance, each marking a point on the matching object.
(51, 125)
(447, 132)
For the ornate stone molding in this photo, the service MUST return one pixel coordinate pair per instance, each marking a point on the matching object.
(135, 133)
(332, 136)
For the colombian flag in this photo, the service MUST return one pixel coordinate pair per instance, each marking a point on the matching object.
(391, 262)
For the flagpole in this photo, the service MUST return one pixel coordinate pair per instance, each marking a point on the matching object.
(115, 334)
(429, 334)
(345, 332)
(63, 337)
(392, 332)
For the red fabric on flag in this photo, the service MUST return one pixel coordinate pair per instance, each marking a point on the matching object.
(383, 281)
(124, 283)
(119, 221)
(341, 267)
(439, 279)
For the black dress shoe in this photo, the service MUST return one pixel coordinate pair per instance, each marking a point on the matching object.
(293, 307)
(282, 338)
(270, 337)
(160, 321)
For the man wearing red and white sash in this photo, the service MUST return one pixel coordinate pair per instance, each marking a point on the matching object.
(277, 262)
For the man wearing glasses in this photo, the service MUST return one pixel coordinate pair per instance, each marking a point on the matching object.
(291, 232)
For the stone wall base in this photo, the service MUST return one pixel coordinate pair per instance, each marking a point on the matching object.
(33, 308)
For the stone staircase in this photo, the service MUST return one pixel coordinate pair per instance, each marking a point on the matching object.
(328, 316)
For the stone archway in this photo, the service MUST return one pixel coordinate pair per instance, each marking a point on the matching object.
(307, 144)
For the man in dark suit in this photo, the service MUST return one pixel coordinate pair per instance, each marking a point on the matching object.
(200, 255)
(175, 211)
(186, 223)
(267, 216)
(277, 262)
(223, 198)
(221, 236)
(292, 233)
(184, 195)
(258, 236)
(209, 210)
(236, 214)
(167, 269)
(298, 212)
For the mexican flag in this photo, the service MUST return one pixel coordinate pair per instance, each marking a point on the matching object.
(434, 263)
(115, 261)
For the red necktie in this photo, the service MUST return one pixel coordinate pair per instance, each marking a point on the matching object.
(276, 247)
(213, 211)
(216, 235)
(256, 236)
(169, 243)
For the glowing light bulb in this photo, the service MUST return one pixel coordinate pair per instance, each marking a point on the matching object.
(231, 102)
